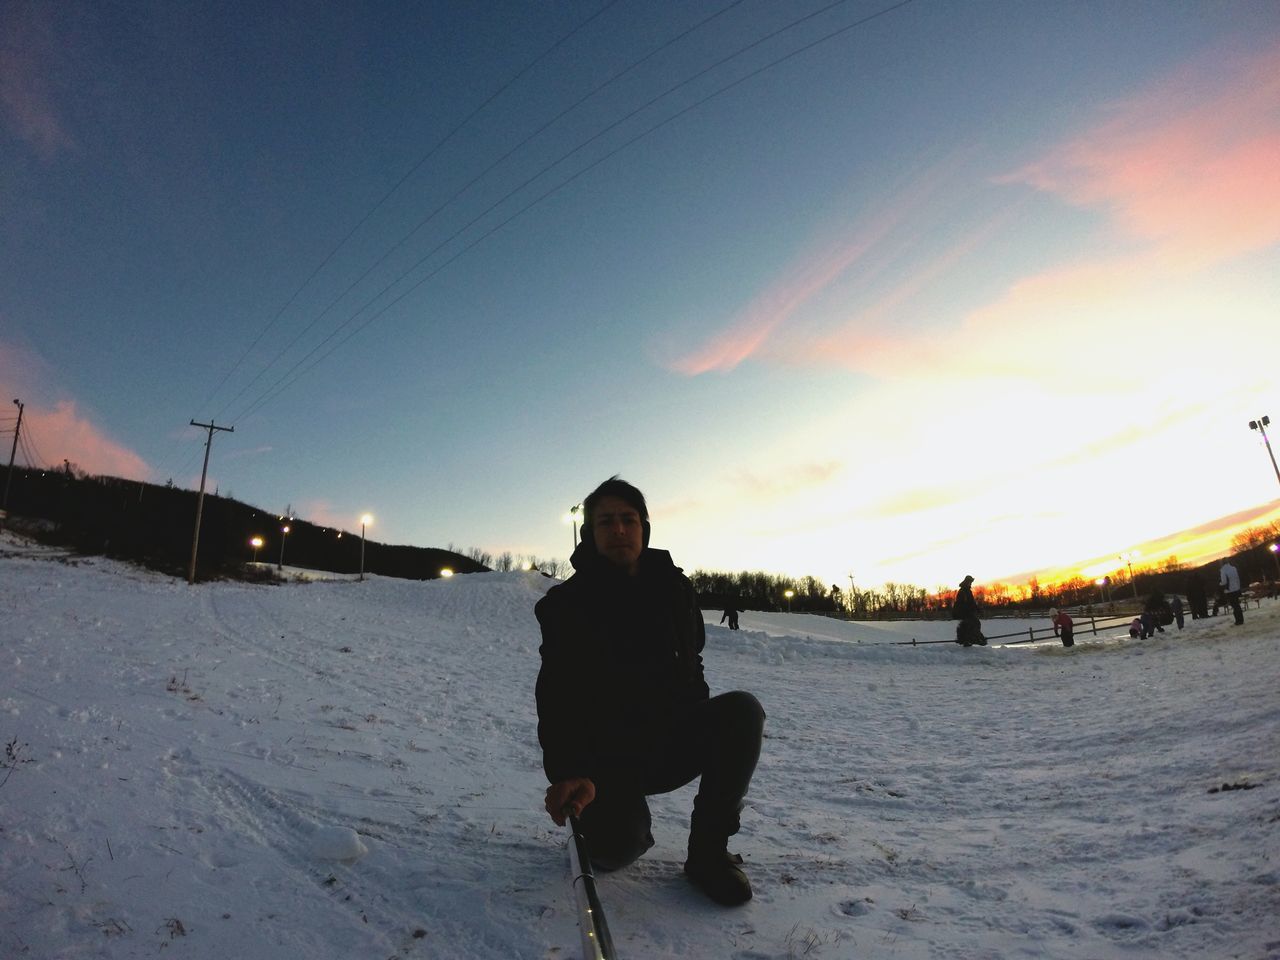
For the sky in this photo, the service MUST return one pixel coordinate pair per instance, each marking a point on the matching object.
(903, 292)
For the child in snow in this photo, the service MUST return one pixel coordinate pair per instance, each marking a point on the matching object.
(1063, 625)
(1135, 628)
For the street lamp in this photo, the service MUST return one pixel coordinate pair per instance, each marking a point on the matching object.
(446, 572)
(256, 543)
(365, 521)
(574, 516)
(284, 532)
(1261, 426)
(1128, 559)
(1275, 555)
(789, 594)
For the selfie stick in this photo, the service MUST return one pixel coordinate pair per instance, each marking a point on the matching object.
(596, 942)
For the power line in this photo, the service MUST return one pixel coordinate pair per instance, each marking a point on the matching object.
(398, 184)
(467, 186)
(291, 376)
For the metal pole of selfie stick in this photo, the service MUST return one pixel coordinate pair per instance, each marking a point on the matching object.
(597, 944)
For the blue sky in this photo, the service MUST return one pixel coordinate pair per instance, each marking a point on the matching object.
(980, 288)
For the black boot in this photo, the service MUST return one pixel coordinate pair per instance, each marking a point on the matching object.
(712, 868)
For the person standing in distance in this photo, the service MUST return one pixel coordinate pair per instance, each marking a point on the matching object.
(1229, 580)
(624, 710)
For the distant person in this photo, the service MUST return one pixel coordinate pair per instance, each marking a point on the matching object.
(1064, 626)
(624, 711)
(1175, 605)
(1197, 598)
(965, 609)
(1229, 580)
(1135, 628)
(1159, 610)
(1149, 625)
(731, 614)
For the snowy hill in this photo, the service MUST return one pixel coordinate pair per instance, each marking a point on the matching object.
(343, 769)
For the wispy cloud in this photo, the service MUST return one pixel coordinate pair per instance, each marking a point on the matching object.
(59, 430)
(811, 274)
(64, 433)
(788, 481)
(27, 102)
(1188, 165)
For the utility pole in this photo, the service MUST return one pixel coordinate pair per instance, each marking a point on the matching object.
(12, 450)
(195, 536)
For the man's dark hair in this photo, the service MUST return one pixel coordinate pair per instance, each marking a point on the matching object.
(615, 486)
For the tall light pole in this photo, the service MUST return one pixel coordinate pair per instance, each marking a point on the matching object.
(1275, 555)
(256, 543)
(789, 594)
(284, 533)
(574, 516)
(1261, 425)
(1128, 559)
(365, 521)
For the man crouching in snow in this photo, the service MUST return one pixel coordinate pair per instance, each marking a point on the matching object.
(623, 709)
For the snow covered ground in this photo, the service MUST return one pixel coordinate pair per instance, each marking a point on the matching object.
(342, 769)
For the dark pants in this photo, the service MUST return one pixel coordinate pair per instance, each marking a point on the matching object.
(718, 739)
(1068, 637)
(1233, 598)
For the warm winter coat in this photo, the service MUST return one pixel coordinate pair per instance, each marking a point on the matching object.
(965, 606)
(619, 654)
(1230, 579)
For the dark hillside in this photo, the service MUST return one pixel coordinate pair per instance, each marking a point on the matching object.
(152, 525)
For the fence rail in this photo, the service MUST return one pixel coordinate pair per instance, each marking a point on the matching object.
(1032, 634)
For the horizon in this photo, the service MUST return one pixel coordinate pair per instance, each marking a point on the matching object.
(1213, 539)
(903, 291)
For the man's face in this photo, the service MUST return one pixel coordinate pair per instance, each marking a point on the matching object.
(618, 532)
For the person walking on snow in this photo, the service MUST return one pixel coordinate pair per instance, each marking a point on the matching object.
(624, 710)
(731, 613)
(1229, 581)
(965, 609)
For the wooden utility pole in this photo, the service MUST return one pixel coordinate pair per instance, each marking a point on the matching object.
(12, 450)
(195, 537)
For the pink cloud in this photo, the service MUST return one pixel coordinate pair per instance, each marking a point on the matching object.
(809, 276)
(58, 431)
(63, 433)
(26, 100)
(1189, 165)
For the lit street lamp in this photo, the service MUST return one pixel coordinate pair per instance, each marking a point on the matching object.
(446, 572)
(789, 594)
(574, 516)
(256, 543)
(284, 532)
(1275, 555)
(365, 521)
(1261, 425)
(1128, 559)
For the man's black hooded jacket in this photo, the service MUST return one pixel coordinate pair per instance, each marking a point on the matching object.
(618, 654)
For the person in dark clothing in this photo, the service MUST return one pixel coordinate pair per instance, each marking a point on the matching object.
(1197, 598)
(1175, 604)
(965, 609)
(624, 711)
(730, 612)
(1158, 607)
